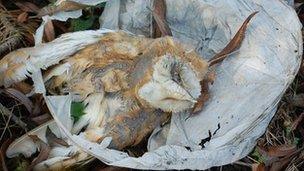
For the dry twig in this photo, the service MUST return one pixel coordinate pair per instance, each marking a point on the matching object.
(8, 113)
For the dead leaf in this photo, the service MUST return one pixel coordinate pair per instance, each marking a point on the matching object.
(282, 150)
(211, 75)
(39, 107)
(234, 44)
(22, 17)
(27, 7)
(204, 92)
(258, 167)
(3, 149)
(44, 152)
(53, 139)
(49, 31)
(273, 162)
(63, 6)
(161, 27)
(60, 26)
(202, 98)
(296, 123)
(279, 165)
(298, 100)
(29, 38)
(112, 168)
(42, 118)
(19, 96)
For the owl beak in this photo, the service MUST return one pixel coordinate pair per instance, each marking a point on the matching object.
(167, 96)
(176, 92)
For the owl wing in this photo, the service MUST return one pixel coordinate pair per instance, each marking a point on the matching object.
(19, 64)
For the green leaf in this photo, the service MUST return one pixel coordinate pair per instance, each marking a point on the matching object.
(21, 164)
(296, 141)
(77, 110)
(80, 24)
(256, 155)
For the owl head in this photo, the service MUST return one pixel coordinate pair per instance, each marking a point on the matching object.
(173, 85)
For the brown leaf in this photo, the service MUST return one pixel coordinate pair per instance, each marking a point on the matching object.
(63, 6)
(282, 150)
(19, 96)
(42, 118)
(60, 26)
(161, 27)
(211, 75)
(112, 168)
(296, 123)
(280, 164)
(202, 98)
(283, 162)
(49, 31)
(44, 152)
(27, 6)
(30, 39)
(258, 167)
(22, 17)
(38, 105)
(3, 149)
(298, 100)
(234, 44)
(53, 140)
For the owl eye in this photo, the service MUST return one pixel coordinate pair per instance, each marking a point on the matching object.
(175, 73)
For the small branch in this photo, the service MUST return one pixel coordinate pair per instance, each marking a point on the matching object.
(8, 113)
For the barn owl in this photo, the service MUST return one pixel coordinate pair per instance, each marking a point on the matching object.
(135, 79)
(130, 84)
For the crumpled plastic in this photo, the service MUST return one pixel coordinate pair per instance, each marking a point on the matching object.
(62, 16)
(244, 97)
(248, 86)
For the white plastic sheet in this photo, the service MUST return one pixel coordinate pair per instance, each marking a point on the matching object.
(248, 86)
(290, 2)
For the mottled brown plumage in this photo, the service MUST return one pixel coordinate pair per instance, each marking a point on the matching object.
(124, 70)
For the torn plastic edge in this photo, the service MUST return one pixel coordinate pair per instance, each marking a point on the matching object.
(62, 16)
